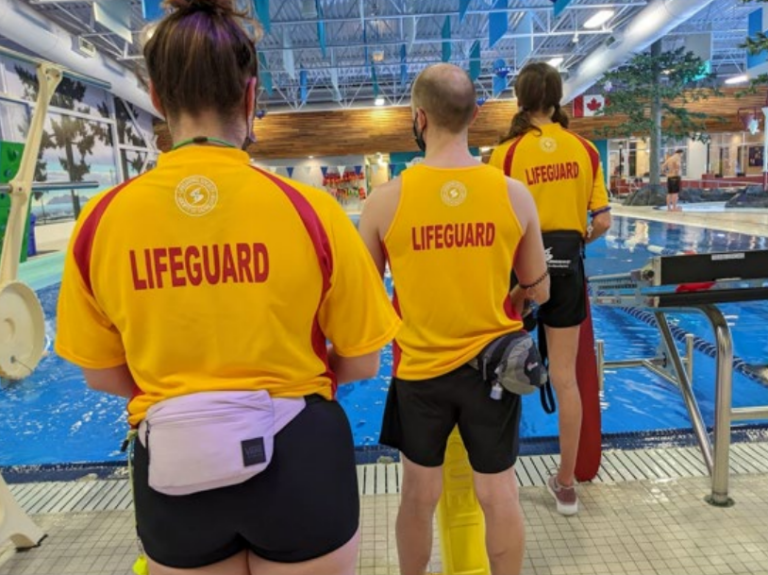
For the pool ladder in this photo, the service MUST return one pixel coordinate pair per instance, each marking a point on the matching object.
(661, 365)
(715, 451)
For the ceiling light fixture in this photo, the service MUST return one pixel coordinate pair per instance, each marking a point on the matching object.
(737, 79)
(555, 62)
(379, 101)
(599, 19)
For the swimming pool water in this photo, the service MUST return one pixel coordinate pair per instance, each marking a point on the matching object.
(52, 417)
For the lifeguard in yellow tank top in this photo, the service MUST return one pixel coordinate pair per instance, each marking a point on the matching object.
(450, 220)
(453, 230)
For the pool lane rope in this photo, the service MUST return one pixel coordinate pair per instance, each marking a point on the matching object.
(699, 344)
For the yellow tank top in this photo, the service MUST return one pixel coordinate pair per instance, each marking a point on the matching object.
(451, 248)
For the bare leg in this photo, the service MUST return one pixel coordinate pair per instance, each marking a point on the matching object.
(421, 491)
(343, 561)
(235, 565)
(504, 528)
(563, 346)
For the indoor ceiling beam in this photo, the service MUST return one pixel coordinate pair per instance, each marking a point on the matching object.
(443, 14)
(424, 41)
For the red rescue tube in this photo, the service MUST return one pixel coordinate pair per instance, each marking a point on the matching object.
(590, 443)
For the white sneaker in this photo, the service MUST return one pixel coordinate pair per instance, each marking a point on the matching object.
(565, 497)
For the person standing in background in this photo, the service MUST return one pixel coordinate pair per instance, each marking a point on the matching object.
(673, 167)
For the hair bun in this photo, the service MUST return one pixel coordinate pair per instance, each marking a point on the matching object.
(223, 7)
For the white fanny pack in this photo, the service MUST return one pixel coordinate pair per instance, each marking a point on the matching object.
(209, 440)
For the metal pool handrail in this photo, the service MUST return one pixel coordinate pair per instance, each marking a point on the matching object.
(54, 186)
(639, 289)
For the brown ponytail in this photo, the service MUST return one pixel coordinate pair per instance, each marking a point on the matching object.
(521, 125)
(539, 88)
(200, 58)
(561, 117)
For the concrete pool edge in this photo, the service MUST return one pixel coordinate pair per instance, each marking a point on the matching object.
(366, 455)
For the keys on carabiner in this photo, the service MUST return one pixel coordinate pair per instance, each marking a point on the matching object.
(496, 391)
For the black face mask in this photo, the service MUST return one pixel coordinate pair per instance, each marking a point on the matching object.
(249, 139)
(419, 136)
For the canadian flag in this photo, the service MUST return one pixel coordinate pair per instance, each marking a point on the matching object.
(588, 106)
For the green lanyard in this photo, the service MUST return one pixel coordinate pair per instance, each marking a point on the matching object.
(203, 140)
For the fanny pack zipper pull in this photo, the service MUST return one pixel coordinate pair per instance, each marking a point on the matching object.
(146, 441)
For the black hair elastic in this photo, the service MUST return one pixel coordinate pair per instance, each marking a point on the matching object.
(537, 282)
(600, 211)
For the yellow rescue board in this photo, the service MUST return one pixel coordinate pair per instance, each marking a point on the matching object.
(460, 521)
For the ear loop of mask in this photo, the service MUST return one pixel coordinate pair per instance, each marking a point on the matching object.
(250, 137)
(419, 136)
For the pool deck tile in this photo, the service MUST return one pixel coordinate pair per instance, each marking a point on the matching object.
(750, 222)
(643, 527)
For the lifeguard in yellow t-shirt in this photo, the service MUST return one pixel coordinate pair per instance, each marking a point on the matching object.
(563, 173)
(452, 230)
(205, 291)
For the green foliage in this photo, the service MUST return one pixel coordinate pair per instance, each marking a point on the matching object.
(675, 78)
(757, 44)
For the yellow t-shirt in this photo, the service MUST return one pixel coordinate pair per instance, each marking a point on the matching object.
(206, 274)
(563, 172)
(451, 248)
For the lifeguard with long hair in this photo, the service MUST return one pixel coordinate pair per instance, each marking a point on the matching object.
(563, 172)
(226, 304)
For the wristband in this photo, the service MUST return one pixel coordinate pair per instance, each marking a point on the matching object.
(537, 282)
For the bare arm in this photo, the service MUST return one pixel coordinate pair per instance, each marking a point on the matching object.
(601, 223)
(114, 380)
(378, 212)
(369, 231)
(530, 263)
(349, 369)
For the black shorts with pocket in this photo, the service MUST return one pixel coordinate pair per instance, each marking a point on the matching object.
(420, 415)
(673, 184)
(567, 304)
(303, 506)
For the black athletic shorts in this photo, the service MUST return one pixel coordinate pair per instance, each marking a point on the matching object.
(303, 506)
(673, 184)
(420, 415)
(567, 304)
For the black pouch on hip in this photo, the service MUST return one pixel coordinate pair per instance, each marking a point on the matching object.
(513, 361)
(564, 251)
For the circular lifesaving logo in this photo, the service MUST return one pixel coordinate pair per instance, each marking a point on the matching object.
(196, 195)
(453, 193)
(548, 145)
